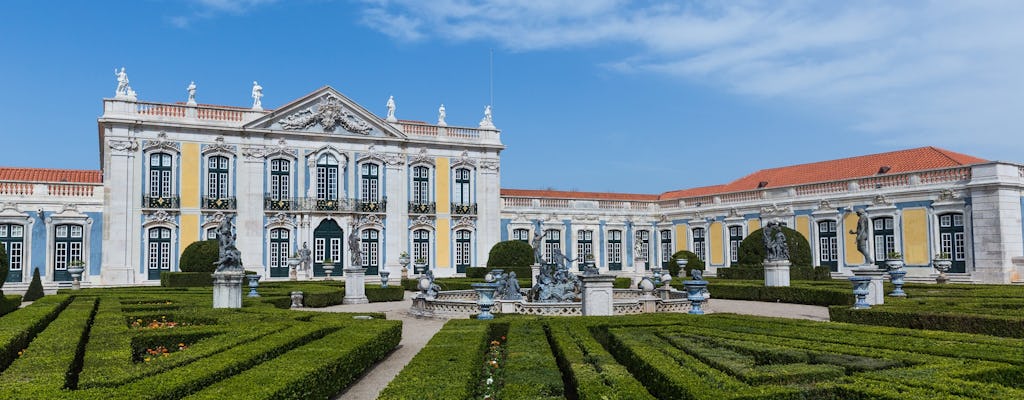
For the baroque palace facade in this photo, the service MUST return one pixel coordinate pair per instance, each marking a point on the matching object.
(319, 168)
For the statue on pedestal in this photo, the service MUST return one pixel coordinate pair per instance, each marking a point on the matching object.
(488, 121)
(863, 233)
(230, 257)
(192, 93)
(354, 249)
(776, 248)
(305, 258)
(391, 109)
(123, 91)
(441, 115)
(257, 94)
(538, 253)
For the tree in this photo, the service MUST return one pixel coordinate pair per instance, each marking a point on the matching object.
(35, 289)
(510, 253)
(200, 256)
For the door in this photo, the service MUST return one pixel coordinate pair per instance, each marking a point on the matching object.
(159, 258)
(280, 246)
(12, 238)
(327, 239)
(615, 250)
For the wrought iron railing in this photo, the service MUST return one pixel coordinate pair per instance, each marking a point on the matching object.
(372, 206)
(280, 204)
(219, 203)
(464, 208)
(422, 208)
(161, 202)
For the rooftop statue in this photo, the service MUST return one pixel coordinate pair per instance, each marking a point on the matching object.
(391, 109)
(441, 115)
(257, 95)
(192, 93)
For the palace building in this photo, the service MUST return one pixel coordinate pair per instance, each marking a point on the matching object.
(321, 167)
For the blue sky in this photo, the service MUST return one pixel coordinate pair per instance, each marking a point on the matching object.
(595, 95)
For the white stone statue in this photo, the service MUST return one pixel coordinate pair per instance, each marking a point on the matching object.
(123, 89)
(391, 109)
(441, 115)
(488, 121)
(257, 94)
(192, 93)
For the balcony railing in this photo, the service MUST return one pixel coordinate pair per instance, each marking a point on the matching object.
(161, 202)
(321, 205)
(464, 208)
(219, 203)
(280, 204)
(329, 205)
(422, 208)
(372, 206)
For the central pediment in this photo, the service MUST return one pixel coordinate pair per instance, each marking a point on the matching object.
(325, 111)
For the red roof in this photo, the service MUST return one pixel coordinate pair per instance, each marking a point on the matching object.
(50, 175)
(894, 162)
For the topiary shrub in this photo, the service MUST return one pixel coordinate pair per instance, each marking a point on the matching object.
(200, 257)
(35, 289)
(752, 249)
(692, 262)
(510, 253)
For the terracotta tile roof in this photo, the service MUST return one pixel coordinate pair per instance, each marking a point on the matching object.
(565, 194)
(50, 175)
(900, 161)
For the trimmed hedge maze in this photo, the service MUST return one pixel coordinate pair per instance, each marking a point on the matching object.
(721, 356)
(171, 344)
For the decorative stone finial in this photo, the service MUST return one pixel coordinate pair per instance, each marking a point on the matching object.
(257, 94)
(192, 93)
(441, 114)
(391, 109)
(488, 121)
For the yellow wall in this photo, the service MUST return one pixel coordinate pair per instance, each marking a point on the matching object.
(442, 191)
(803, 226)
(190, 175)
(715, 237)
(443, 243)
(915, 236)
(681, 242)
(189, 231)
(853, 257)
(753, 225)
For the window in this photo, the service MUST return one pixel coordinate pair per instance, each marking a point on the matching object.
(885, 238)
(521, 235)
(217, 177)
(552, 245)
(828, 250)
(159, 257)
(666, 247)
(67, 245)
(463, 250)
(370, 248)
(952, 240)
(421, 246)
(584, 246)
(369, 184)
(420, 185)
(327, 177)
(280, 175)
(735, 238)
(211, 234)
(462, 195)
(160, 175)
(279, 251)
(645, 247)
(698, 243)
(615, 250)
(12, 238)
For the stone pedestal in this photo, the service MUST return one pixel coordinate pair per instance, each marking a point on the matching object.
(776, 273)
(355, 292)
(598, 294)
(227, 289)
(875, 293)
(507, 306)
(1017, 275)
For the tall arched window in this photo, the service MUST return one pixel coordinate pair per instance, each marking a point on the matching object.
(160, 167)
(698, 243)
(420, 185)
(280, 179)
(463, 250)
(159, 257)
(615, 250)
(884, 233)
(584, 246)
(521, 235)
(952, 240)
(327, 177)
(217, 168)
(552, 245)
(280, 245)
(12, 238)
(370, 248)
(666, 247)
(828, 245)
(421, 247)
(369, 183)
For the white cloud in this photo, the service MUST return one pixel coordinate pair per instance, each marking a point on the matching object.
(206, 9)
(946, 72)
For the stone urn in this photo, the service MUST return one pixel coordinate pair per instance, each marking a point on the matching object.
(254, 282)
(681, 262)
(328, 269)
(485, 292)
(893, 263)
(695, 294)
(424, 286)
(860, 290)
(293, 265)
(419, 267)
(76, 271)
(384, 274)
(646, 286)
(296, 299)
(404, 261)
(942, 265)
(896, 277)
(666, 280)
